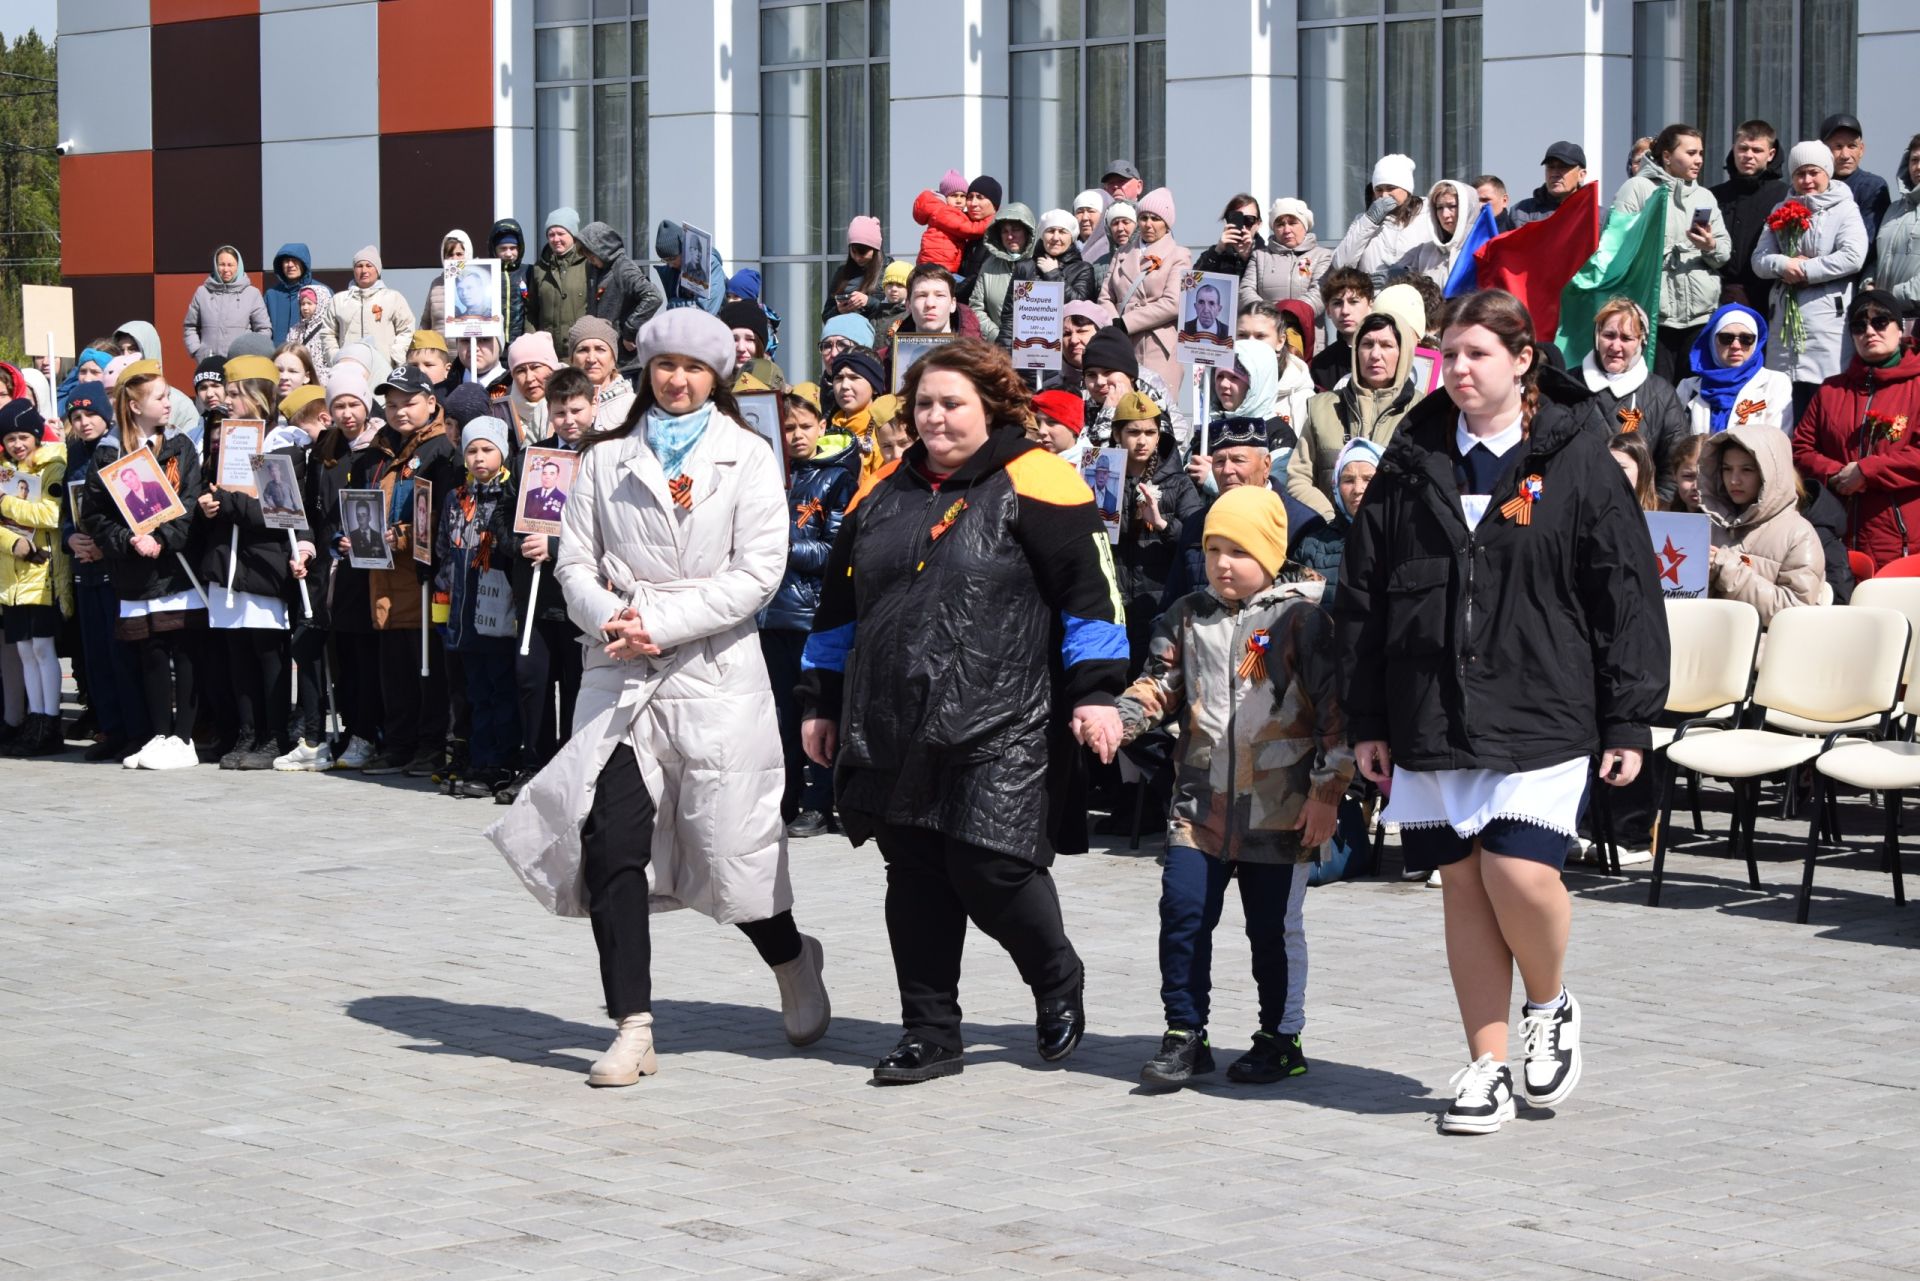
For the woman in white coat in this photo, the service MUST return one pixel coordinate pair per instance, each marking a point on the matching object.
(1818, 275)
(1389, 228)
(668, 793)
(1731, 384)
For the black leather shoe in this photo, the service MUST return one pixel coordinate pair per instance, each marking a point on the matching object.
(1059, 1024)
(914, 1061)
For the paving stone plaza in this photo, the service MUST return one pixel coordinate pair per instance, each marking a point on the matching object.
(311, 1026)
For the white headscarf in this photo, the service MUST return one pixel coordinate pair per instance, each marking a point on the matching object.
(1260, 365)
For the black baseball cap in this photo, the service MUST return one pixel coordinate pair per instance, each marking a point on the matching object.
(1840, 120)
(1566, 153)
(408, 381)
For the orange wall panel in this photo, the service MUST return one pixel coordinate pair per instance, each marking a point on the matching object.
(106, 214)
(171, 294)
(436, 65)
(164, 11)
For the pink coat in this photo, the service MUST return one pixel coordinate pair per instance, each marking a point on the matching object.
(1151, 312)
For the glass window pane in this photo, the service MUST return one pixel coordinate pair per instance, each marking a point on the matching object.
(1829, 37)
(1150, 17)
(639, 46)
(1674, 44)
(789, 35)
(1045, 106)
(790, 162)
(846, 170)
(560, 53)
(847, 29)
(559, 10)
(879, 30)
(560, 148)
(1337, 123)
(610, 42)
(1412, 6)
(1150, 112)
(1460, 105)
(1764, 74)
(1109, 95)
(1338, 9)
(879, 139)
(1039, 21)
(641, 242)
(1109, 17)
(609, 8)
(1411, 56)
(796, 290)
(612, 154)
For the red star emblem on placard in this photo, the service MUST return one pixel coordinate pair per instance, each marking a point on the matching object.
(1671, 558)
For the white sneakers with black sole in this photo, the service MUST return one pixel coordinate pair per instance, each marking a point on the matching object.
(1550, 1041)
(1483, 1098)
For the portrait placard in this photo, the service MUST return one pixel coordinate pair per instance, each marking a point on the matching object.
(546, 478)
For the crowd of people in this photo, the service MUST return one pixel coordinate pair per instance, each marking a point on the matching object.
(1367, 573)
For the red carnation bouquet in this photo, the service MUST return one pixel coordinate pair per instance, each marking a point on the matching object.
(1790, 224)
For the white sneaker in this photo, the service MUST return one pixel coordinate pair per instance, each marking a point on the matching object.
(1433, 882)
(133, 761)
(305, 759)
(1629, 857)
(172, 753)
(359, 752)
(1551, 1042)
(1483, 1101)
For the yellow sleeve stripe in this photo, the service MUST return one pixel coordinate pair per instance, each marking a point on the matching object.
(1048, 478)
(868, 482)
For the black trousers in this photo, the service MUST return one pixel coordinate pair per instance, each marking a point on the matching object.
(166, 678)
(416, 705)
(1671, 349)
(308, 649)
(356, 683)
(616, 844)
(935, 885)
(808, 786)
(553, 657)
(257, 668)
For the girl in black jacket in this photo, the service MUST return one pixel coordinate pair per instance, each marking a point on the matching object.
(161, 607)
(1499, 605)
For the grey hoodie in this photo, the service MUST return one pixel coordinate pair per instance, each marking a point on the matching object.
(996, 270)
(185, 418)
(619, 291)
(223, 310)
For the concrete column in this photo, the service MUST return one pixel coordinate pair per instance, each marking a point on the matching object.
(513, 103)
(1232, 100)
(949, 103)
(1551, 72)
(1889, 50)
(703, 153)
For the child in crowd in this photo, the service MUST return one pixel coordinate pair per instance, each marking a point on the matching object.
(1247, 668)
(1764, 552)
(1684, 465)
(427, 352)
(855, 377)
(823, 471)
(473, 544)
(36, 584)
(1348, 295)
(113, 680)
(892, 429)
(315, 333)
(1629, 449)
(1058, 419)
(949, 230)
(309, 421)
(1324, 543)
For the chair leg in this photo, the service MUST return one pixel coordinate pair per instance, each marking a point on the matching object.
(1661, 832)
(1139, 811)
(1805, 905)
(1746, 843)
(1693, 791)
(1893, 848)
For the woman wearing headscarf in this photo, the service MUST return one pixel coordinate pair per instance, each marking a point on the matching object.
(1627, 397)
(1370, 406)
(225, 306)
(1731, 384)
(455, 244)
(1817, 276)
(1291, 263)
(1452, 208)
(1143, 286)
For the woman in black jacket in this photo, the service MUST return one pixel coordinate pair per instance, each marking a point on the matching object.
(161, 608)
(1627, 396)
(968, 604)
(1499, 604)
(1239, 238)
(1055, 258)
(339, 590)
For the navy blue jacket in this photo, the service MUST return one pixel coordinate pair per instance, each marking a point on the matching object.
(283, 295)
(817, 496)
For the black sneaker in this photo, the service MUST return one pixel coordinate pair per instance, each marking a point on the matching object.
(385, 763)
(230, 759)
(478, 784)
(109, 749)
(1551, 1043)
(509, 792)
(915, 1060)
(259, 756)
(429, 763)
(1484, 1099)
(1184, 1054)
(808, 823)
(1272, 1058)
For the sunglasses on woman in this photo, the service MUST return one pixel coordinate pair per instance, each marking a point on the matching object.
(1735, 340)
(1872, 320)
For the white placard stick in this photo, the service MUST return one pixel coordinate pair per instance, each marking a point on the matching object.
(306, 601)
(233, 561)
(526, 630)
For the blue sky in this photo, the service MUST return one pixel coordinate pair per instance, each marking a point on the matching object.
(22, 14)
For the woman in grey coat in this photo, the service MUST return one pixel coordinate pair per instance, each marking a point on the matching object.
(1291, 264)
(1818, 275)
(225, 306)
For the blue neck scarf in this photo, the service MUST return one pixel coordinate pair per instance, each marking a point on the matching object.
(1720, 385)
(672, 439)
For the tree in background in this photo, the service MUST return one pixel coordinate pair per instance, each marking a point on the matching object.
(29, 179)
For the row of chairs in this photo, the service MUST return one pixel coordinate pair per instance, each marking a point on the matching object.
(1829, 681)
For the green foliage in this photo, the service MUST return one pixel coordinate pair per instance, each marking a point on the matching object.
(29, 178)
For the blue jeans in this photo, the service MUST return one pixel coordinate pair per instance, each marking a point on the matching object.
(113, 675)
(495, 707)
(1351, 854)
(1193, 889)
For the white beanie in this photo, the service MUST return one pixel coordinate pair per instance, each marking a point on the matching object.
(488, 428)
(1120, 209)
(1810, 152)
(1059, 218)
(1393, 170)
(1093, 198)
(1296, 207)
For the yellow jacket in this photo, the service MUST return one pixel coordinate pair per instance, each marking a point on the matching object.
(44, 580)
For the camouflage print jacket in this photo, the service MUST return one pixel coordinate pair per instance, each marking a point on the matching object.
(1260, 728)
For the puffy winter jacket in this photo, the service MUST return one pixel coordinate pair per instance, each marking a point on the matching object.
(1652, 409)
(619, 291)
(1883, 518)
(948, 230)
(513, 284)
(137, 577)
(1143, 288)
(1379, 248)
(1078, 277)
(957, 627)
(1690, 277)
(1774, 559)
(283, 295)
(1275, 274)
(45, 577)
(222, 310)
(1506, 647)
(1897, 247)
(1834, 248)
(1435, 258)
(992, 292)
(473, 533)
(557, 294)
(375, 315)
(1145, 558)
(817, 493)
(1336, 417)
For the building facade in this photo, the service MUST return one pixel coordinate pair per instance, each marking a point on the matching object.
(773, 122)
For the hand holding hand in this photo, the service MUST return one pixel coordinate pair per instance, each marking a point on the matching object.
(82, 547)
(1099, 729)
(1375, 760)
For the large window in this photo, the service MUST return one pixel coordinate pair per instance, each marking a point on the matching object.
(1716, 63)
(823, 152)
(590, 114)
(1380, 76)
(1089, 86)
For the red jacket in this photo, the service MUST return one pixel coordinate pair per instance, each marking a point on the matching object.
(1883, 519)
(948, 230)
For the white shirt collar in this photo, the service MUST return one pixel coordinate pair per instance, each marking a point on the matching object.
(1498, 444)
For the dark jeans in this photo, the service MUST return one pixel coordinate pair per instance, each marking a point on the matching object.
(416, 705)
(616, 844)
(1193, 889)
(495, 736)
(808, 786)
(308, 649)
(1671, 349)
(257, 669)
(113, 673)
(166, 674)
(553, 658)
(935, 885)
(356, 683)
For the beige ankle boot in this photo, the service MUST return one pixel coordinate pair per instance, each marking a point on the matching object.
(630, 1057)
(803, 996)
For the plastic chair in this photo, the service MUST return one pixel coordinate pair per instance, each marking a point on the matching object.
(1889, 767)
(1861, 564)
(1829, 665)
(1905, 567)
